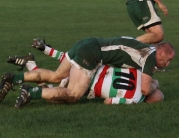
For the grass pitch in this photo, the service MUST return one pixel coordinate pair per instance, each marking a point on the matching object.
(62, 23)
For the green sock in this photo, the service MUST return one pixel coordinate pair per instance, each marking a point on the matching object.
(18, 78)
(36, 92)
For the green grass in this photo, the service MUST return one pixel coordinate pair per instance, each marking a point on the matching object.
(62, 23)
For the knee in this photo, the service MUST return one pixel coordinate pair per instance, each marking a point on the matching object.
(35, 76)
(158, 33)
(159, 37)
(56, 78)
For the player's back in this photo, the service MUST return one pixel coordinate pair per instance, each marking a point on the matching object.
(116, 82)
(124, 52)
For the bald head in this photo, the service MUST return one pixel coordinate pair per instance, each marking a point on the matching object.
(167, 47)
(165, 52)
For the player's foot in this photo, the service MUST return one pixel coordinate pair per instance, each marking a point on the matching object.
(21, 60)
(39, 44)
(24, 97)
(6, 85)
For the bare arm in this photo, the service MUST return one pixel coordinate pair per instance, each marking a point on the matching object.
(149, 85)
(162, 6)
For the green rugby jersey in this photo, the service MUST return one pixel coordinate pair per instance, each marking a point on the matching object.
(127, 52)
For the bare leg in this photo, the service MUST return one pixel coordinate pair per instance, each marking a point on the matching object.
(44, 75)
(153, 35)
(78, 85)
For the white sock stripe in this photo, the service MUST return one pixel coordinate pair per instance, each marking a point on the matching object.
(30, 65)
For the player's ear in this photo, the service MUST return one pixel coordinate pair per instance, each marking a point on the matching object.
(159, 52)
(162, 52)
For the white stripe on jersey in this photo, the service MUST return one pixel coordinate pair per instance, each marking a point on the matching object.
(107, 80)
(135, 54)
(107, 84)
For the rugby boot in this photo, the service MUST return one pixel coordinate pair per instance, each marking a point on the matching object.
(21, 60)
(6, 85)
(24, 97)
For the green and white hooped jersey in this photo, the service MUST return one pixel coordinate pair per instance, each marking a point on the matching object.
(121, 84)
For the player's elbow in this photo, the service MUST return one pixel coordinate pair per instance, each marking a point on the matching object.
(145, 92)
(157, 96)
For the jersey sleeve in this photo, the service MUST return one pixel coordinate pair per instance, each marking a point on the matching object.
(150, 64)
(117, 100)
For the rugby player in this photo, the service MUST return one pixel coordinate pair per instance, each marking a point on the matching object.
(116, 85)
(82, 62)
(144, 16)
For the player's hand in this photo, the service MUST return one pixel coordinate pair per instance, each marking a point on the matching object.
(156, 83)
(39, 44)
(163, 8)
(108, 101)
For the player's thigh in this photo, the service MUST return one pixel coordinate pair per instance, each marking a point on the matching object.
(157, 29)
(78, 82)
(62, 71)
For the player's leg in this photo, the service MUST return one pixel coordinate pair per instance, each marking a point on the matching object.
(78, 84)
(79, 77)
(39, 75)
(80, 72)
(44, 75)
(82, 49)
(144, 16)
(47, 49)
(153, 35)
(31, 65)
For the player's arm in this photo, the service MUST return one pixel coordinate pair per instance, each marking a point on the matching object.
(149, 85)
(162, 6)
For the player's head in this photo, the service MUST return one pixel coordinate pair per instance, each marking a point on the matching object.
(165, 52)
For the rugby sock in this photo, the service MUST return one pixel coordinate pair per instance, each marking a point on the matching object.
(31, 65)
(36, 92)
(18, 78)
(53, 53)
